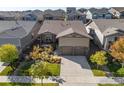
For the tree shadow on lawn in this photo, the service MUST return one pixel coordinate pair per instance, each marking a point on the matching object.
(58, 79)
(22, 79)
(27, 81)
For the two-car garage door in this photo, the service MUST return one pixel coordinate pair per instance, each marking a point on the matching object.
(69, 50)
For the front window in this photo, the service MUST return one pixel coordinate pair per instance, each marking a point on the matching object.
(109, 44)
(122, 14)
(116, 38)
(48, 38)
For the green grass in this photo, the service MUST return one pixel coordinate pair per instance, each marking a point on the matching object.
(53, 68)
(110, 84)
(7, 71)
(98, 72)
(28, 84)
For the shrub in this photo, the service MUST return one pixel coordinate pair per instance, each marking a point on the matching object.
(54, 59)
(120, 72)
(113, 67)
(9, 53)
(48, 49)
(98, 72)
(100, 58)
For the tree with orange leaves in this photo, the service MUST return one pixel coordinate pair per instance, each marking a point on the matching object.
(117, 50)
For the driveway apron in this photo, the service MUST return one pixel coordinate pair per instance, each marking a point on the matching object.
(76, 71)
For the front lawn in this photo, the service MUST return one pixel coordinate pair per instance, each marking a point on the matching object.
(24, 70)
(54, 69)
(110, 84)
(98, 72)
(28, 84)
(7, 71)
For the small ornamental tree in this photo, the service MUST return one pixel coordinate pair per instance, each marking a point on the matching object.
(117, 50)
(39, 70)
(99, 58)
(9, 53)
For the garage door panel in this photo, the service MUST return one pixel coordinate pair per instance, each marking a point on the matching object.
(66, 50)
(79, 51)
(72, 50)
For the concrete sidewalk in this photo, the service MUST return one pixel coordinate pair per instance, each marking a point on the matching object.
(25, 79)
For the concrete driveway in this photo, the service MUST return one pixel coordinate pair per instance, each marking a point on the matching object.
(75, 70)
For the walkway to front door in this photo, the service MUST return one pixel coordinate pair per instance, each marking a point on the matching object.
(75, 70)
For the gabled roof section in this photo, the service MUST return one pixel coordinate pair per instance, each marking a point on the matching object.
(71, 31)
(104, 24)
(13, 29)
(58, 26)
(15, 32)
(66, 32)
(110, 31)
(109, 27)
(119, 9)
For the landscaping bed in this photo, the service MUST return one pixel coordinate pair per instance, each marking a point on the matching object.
(116, 69)
(98, 72)
(39, 63)
(28, 84)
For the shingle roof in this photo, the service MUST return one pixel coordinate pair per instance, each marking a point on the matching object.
(10, 14)
(76, 13)
(58, 12)
(111, 24)
(99, 11)
(11, 29)
(110, 31)
(56, 27)
(70, 31)
(120, 9)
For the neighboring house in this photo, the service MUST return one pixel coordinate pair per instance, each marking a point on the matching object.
(5, 15)
(54, 14)
(83, 10)
(29, 17)
(117, 12)
(38, 14)
(102, 13)
(70, 36)
(105, 32)
(32, 15)
(21, 15)
(73, 14)
(19, 33)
